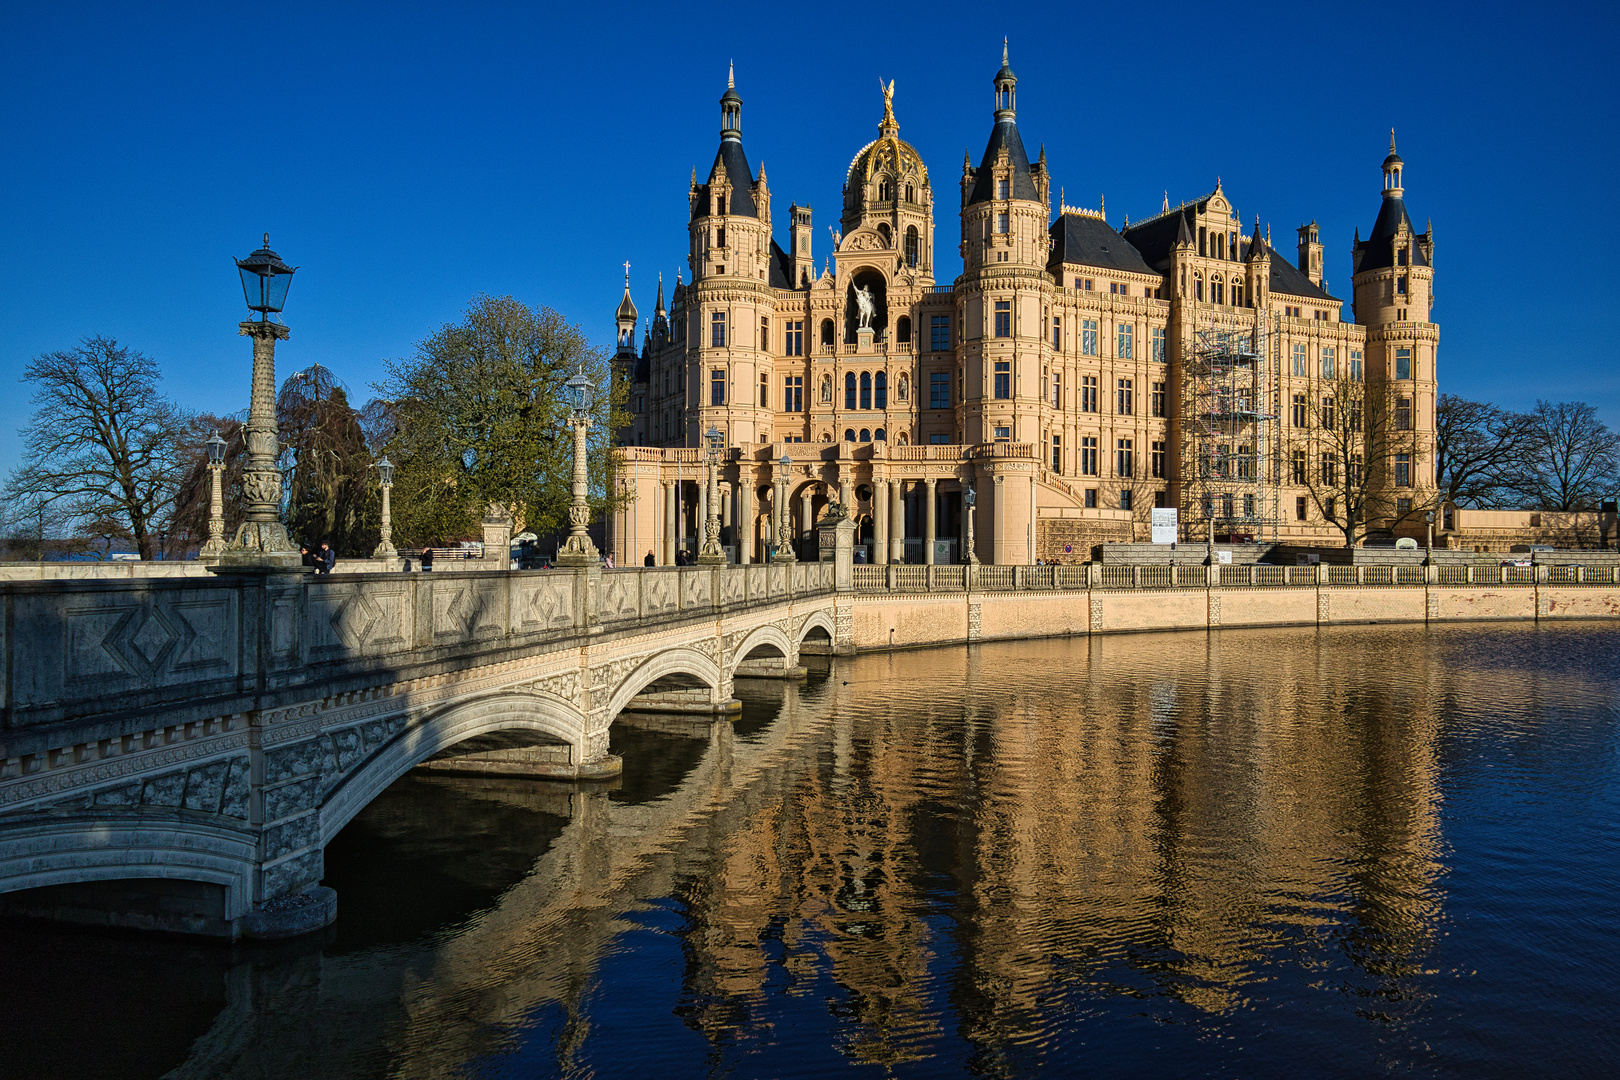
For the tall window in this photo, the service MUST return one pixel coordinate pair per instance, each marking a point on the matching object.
(1003, 379)
(1088, 455)
(1157, 401)
(939, 333)
(764, 391)
(1123, 341)
(1057, 454)
(1057, 333)
(1330, 362)
(1403, 414)
(1124, 462)
(1158, 344)
(1298, 412)
(913, 245)
(827, 331)
(793, 394)
(717, 329)
(1124, 498)
(1003, 318)
(1125, 398)
(866, 389)
(1088, 337)
(1158, 461)
(717, 386)
(1057, 390)
(902, 330)
(764, 334)
(1330, 469)
(1301, 368)
(793, 340)
(939, 390)
(1091, 498)
(1088, 393)
(1403, 363)
(1001, 189)
(1328, 413)
(1403, 470)
(1297, 469)
(849, 390)
(882, 390)
(1001, 223)
(1245, 463)
(1356, 365)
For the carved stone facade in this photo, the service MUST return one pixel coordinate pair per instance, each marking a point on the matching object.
(1051, 376)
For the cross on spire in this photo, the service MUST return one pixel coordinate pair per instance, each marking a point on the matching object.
(627, 273)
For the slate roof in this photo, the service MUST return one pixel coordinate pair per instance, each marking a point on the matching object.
(780, 274)
(1005, 133)
(1378, 250)
(1290, 280)
(734, 162)
(1089, 241)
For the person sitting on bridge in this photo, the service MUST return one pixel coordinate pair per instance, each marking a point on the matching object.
(427, 558)
(326, 557)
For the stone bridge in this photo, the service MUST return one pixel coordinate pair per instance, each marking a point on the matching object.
(176, 753)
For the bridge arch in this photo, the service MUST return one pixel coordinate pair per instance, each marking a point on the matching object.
(768, 634)
(679, 661)
(543, 713)
(818, 619)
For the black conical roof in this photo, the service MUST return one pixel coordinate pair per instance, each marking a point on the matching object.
(1005, 133)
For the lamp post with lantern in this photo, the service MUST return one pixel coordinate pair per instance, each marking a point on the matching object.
(215, 545)
(711, 553)
(578, 550)
(970, 499)
(784, 543)
(385, 476)
(262, 538)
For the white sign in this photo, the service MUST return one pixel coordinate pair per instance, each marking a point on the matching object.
(1224, 558)
(1164, 525)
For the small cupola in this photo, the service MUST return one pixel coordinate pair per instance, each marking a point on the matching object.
(1392, 170)
(731, 107)
(1006, 88)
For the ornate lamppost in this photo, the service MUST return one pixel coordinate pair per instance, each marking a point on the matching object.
(215, 545)
(385, 548)
(784, 543)
(712, 554)
(970, 499)
(578, 549)
(1209, 530)
(262, 539)
(1428, 544)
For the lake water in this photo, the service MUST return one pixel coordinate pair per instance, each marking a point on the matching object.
(1346, 852)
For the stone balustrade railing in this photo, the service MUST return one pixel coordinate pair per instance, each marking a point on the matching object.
(103, 655)
(983, 578)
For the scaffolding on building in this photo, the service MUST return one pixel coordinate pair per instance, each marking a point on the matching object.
(1232, 446)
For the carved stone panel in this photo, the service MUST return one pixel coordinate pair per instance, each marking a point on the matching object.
(620, 597)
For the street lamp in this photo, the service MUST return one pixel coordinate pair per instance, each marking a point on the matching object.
(784, 542)
(970, 499)
(1428, 545)
(262, 539)
(712, 554)
(385, 475)
(1209, 530)
(216, 499)
(579, 393)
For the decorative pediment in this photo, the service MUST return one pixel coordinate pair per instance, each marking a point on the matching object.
(864, 240)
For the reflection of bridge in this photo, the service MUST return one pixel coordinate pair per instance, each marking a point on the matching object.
(177, 753)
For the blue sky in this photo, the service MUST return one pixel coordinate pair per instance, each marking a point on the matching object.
(409, 156)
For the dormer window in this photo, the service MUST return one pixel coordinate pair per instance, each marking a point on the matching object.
(720, 205)
(1001, 223)
(720, 237)
(1400, 285)
(1001, 190)
(1400, 257)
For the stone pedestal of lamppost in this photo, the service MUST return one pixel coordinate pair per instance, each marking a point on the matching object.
(578, 550)
(710, 553)
(784, 520)
(261, 542)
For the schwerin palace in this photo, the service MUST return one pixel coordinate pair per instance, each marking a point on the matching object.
(1062, 376)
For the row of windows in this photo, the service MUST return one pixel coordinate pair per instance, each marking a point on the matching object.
(1124, 457)
(1117, 288)
(1328, 469)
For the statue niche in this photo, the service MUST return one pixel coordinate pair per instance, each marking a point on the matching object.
(866, 303)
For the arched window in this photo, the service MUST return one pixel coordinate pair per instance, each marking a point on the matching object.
(866, 389)
(1217, 291)
(826, 331)
(883, 190)
(849, 390)
(849, 434)
(882, 390)
(866, 436)
(911, 193)
(1198, 286)
(913, 244)
(883, 231)
(880, 435)
(902, 330)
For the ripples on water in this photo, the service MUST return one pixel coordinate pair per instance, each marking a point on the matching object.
(1354, 852)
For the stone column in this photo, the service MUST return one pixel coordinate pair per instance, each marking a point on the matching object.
(880, 521)
(703, 501)
(262, 539)
(727, 505)
(1034, 523)
(928, 522)
(807, 510)
(897, 522)
(671, 525)
(746, 518)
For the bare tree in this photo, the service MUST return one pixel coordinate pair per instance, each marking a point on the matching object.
(1477, 450)
(103, 445)
(1361, 459)
(332, 492)
(188, 528)
(1571, 459)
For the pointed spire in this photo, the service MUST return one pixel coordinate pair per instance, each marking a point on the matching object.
(1392, 140)
(731, 74)
(1004, 64)
(762, 182)
(1103, 206)
(1166, 208)
(1183, 234)
(1061, 200)
(1257, 245)
(658, 305)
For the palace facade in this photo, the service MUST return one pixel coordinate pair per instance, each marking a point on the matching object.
(1074, 377)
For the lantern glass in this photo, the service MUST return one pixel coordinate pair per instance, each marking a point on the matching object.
(714, 437)
(385, 471)
(970, 498)
(265, 279)
(216, 448)
(577, 393)
(785, 462)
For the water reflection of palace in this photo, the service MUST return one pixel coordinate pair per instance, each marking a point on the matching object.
(945, 846)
